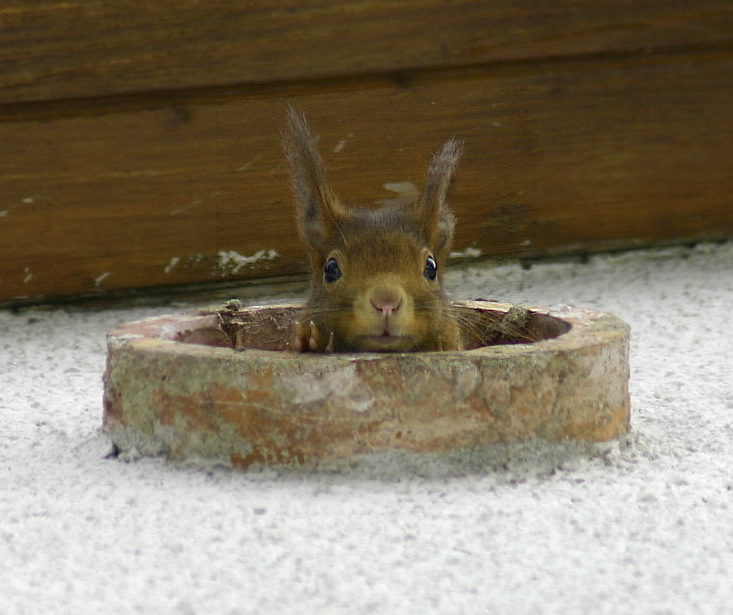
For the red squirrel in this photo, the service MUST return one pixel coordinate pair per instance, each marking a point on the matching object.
(377, 280)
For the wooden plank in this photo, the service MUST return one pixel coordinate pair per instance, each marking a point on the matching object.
(53, 50)
(574, 157)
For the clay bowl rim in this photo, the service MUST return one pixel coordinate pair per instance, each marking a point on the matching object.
(574, 324)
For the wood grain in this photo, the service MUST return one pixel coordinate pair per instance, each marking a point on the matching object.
(58, 50)
(575, 156)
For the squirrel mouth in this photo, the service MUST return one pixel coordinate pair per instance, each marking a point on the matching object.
(385, 342)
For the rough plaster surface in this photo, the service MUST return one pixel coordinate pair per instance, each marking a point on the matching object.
(644, 525)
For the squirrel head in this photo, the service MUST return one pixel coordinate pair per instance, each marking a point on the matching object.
(377, 273)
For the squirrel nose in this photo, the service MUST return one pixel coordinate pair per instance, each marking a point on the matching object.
(386, 301)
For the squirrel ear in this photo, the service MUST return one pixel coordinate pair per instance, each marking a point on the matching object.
(433, 211)
(318, 210)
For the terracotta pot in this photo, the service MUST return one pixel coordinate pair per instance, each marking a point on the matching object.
(222, 385)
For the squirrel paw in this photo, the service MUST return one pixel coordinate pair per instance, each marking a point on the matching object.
(310, 339)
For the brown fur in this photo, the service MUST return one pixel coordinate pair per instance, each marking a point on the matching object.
(382, 301)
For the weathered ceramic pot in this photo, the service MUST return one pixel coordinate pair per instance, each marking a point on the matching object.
(222, 385)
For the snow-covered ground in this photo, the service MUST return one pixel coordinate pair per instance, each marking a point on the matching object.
(644, 525)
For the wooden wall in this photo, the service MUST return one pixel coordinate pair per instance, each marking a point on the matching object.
(139, 141)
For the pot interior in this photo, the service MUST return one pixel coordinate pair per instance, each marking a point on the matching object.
(270, 327)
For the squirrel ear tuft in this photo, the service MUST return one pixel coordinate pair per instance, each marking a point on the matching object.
(437, 218)
(318, 210)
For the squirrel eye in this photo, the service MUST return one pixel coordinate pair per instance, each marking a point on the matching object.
(332, 271)
(431, 268)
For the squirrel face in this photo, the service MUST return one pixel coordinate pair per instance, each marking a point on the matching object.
(377, 273)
